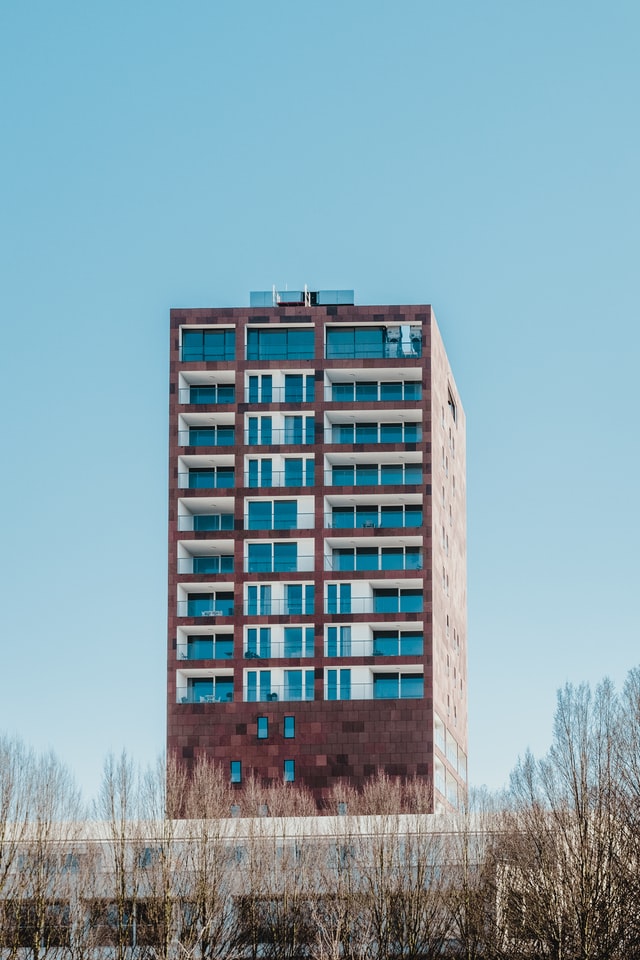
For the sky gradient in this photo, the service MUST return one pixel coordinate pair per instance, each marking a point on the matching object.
(483, 158)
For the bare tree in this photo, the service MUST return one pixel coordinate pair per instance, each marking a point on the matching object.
(564, 894)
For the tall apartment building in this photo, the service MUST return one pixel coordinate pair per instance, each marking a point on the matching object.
(317, 543)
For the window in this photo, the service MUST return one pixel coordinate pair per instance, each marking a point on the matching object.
(272, 557)
(370, 558)
(394, 643)
(289, 728)
(217, 647)
(258, 643)
(212, 521)
(397, 601)
(260, 473)
(394, 686)
(215, 563)
(259, 686)
(260, 389)
(298, 684)
(452, 405)
(289, 771)
(273, 515)
(287, 343)
(338, 684)
(210, 689)
(339, 598)
(299, 388)
(236, 771)
(207, 478)
(219, 603)
(216, 393)
(259, 600)
(338, 641)
(214, 436)
(262, 728)
(298, 473)
(299, 599)
(298, 641)
(299, 429)
(351, 342)
(208, 345)
(260, 431)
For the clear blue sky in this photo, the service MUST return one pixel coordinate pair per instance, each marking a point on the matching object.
(482, 157)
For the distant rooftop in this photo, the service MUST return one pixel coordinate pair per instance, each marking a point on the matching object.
(305, 297)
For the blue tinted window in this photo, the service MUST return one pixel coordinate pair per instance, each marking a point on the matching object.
(366, 474)
(260, 515)
(282, 344)
(293, 473)
(285, 514)
(289, 771)
(413, 390)
(391, 391)
(293, 388)
(367, 390)
(236, 771)
(391, 433)
(210, 345)
(285, 557)
(289, 727)
(199, 648)
(411, 685)
(366, 432)
(343, 392)
(259, 558)
(342, 475)
(262, 728)
(385, 686)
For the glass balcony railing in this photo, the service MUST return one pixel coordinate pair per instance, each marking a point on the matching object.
(371, 476)
(297, 394)
(207, 437)
(378, 605)
(285, 692)
(384, 689)
(373, 433)
(219, 694)
(278, 608)
(300, 564)
(209, 522)
(403, 647)
(276, 437)
(373, 561)
(371, 391)
(210, 395)
(280, 478)
(213, 609)
(205, 648)
(279, 650)
(216, 563)
(371, 519)
(302, 521)
(216, 479)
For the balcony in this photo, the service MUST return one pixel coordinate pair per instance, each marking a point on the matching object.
(301, 475)
(262, 686)
(206, 690)
(297, 607)
(206, 648)
(382, 687)
(211, 605)
(299, 389)
(374, 517)
(374, 558)
(373, 433)
(297, 521)
(298, 564)
(210, 346)
(340, 600)
(210, 564)
(395, 342)
(216, 436)
(205, 522)
(214, 394)
(372, 391)
(207, 478)
(277, 437)
(374, 475)
(340, 644)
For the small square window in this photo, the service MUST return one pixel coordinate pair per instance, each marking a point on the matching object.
(236, 771)
(289, 771)
(263, 728)
(289, 727)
